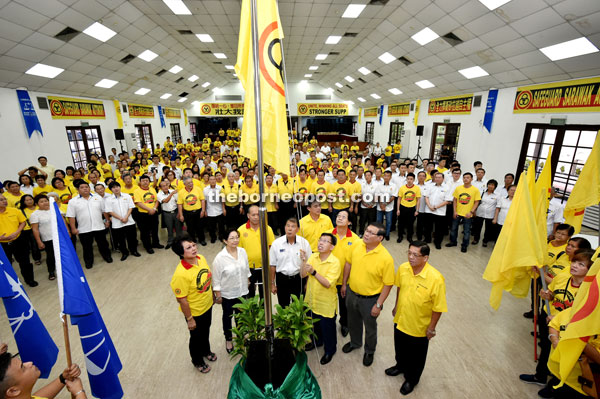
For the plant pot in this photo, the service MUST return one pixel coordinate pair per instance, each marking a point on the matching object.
(256, 364)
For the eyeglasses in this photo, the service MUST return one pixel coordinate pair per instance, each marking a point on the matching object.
(325, 241)
(413, 255)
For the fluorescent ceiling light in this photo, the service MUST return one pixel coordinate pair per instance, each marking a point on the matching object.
(353, 10)
(493, 4)
(205, 84)
(205, 38)
(99, 32)
(349, 102)
(148, 55)
(424, 84)
(308, 75)
(425, 36)
(364, 70)
(165, 96)
(313, 68)
(182, 99)
(321, 57)
(217, 91)
(333, 40)
(329, 90)
(572, 48)
(229, 67)
(178, 7)
(143, 91)
(362, 100)
(106, 83)
(349, 78)
(45, 71)
(193, 78)
(175, 69)
(473, 72)
(395, 91)
(220, 55)
(386, 58)
(376, 96)
(338, 84)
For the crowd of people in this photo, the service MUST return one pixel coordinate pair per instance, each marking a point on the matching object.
(332, 212)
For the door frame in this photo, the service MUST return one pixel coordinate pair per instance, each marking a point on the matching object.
(392, 124)
(141, 136)
(434, 136)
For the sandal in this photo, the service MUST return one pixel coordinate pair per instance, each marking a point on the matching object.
(212, 357)
(229, 350)
(203, 368)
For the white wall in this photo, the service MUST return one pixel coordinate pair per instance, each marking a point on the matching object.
(18, 151)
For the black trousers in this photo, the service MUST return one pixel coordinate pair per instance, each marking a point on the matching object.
(19, 249)
(421, 225)
(342, 310)
(126, 239)
(354, 218)
(87, 242)
(273, 222)
(491, 231)
(541, 370)
(199, 338)
(286, 286)
(449, 216)
(438, 223)
(256, 281)
(411, 353)
(214, 223)
(286, 211)
(476, 227)
(326, 333)
(233, 218)
(367, 216)
(406, 222)
(50, 261)
(148, 225)
(36, 254)
(194, 227)
(228, 312)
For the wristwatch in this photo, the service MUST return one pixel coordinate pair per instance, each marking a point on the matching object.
(314, 272)
(380, 307)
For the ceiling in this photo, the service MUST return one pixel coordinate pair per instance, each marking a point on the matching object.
(505, 42)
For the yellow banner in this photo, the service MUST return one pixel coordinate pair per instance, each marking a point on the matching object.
(359, 115)
(119, 114)
(185, 117)
(141, 111)
(455, 105)
(76, 108)
(322, 109)
(581, 95)
(417, 107)
(173, 113)
(222, 109)
(371, 112)
(402, 109)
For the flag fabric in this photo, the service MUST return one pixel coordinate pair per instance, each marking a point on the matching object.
(33, 340)
(185, 118)
(359, 115)
(586, 191)
(272, 92)
(417, 106)
(162, 117)
(76, 299)
(32, 123)
(541, 197)
(584, 323)
(119, 114)
(517, 249)
(531, 181)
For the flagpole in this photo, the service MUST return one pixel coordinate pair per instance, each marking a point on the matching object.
(261, 189)
(67, 344)
(535, 318)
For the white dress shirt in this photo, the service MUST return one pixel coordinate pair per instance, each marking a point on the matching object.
(285, 256)
(398, 180)
(481, 185)
(451, 187)
(555, 214)
(487, 206)
(436, 196)
(368, 194)
(504, 205)
(213, 201)
(422, 205)
(87, 212)
(44, 221)
(386, 192)
(119, 205)
(230, 275)
(167, 206)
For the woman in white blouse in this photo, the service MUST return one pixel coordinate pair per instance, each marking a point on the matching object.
(485, 213)
(502, 207)
(230, 278)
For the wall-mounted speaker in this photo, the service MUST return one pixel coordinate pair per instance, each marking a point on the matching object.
(119, 135)
(420, 130)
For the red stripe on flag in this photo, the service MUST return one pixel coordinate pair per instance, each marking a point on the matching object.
(590, 305)
(579, 213)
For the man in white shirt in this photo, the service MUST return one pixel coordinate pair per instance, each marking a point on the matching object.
(167, 197)
(555, 214)
(214, 207)
(377, 150)
(368, 204)
(387, 193)
(422, 205)
(436, 201)
(155, 169)
(480, 182)
(509, 179)
(378, 179)
(87, 210)
(360, 175)
(285, 259)
(452, 182)
(119, 207)
(326, 149)
(46, 167)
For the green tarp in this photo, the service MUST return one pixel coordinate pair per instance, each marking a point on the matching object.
(300, 383)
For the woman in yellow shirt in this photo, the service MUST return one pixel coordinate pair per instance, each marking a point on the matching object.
(65, 193)
(27, 207)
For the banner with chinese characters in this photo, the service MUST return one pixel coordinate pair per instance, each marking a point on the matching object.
(141, 111)
(322, 109)
(173, 113)
(581, 95)
(456, 105)
(75, 108)
(222, 109)
(371, 112)
(402, 109)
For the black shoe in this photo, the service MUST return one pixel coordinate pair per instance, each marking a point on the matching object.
(547, 392)
(32, 283)
(89, 266)
(399, 239)
(168, 246)
(136, 254)
(450, 245)
(203, 243)
(393, 371)
(387, 238)
(150, 251)
(463, 249)
(438, 246)
(406, 388)
(428, 241)
(528, 315)
(326, 358)
(475, 242)
(348, 348)
(345, 331)
(531, 379)
(108, 260)
(213, 240)
(484, 244)
(124, 256)
(310, 346)
(367, 359)
(158, 246)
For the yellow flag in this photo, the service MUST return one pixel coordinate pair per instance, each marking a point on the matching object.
(531, 180)
(541, 197)
(584, 323)
(273, 115)
(417, 106)
(185, 118)
(516, 250)
(586, 191)
(359, 115)
(119, 115)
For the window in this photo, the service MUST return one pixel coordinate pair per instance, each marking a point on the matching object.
(444, 141)
(369, 129)
(193, 131)
(83, 142)
(396, 130)
(143, 137)
(175, 133)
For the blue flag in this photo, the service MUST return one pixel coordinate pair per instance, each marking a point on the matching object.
(101, 358)
(380, 114)
(29, 116)
(162, 117)
(33, 341)
(490, 109)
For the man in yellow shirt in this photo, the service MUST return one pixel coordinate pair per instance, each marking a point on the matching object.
(397, 149)
(321, 190)
(286, 204)
(341, 191)
(355, 148)
(13, 194)
(322, 270)
(409, 199)
(12, 223)
(147, 204)
(314, 224)
(368, 279)
(388, 153)
(190, 200)
(465, 203)
(420, 302)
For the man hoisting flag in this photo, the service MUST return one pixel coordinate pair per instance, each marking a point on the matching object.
(33, 341)
(76, 299)
(274, 122)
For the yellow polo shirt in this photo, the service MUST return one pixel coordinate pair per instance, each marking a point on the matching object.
(420, 295)
(42, 190)
(321, 191)
(129, 191)
(13, 200)
(250, 241)
(10, 220)
(303, 187)
(323, 301)
(312, 230)
(355, 148)
(397, 148)
(285, 189)
(408, 195)
(231, 192)
(190, 200)
(147, 197)
(388, 151)
(65, 194)
(271, 197)
(560, 264)
(465, 198)
(552, 252)
(28, 213)
(370, 270)
(194, 282)
(181, 186)
(252, 193)
(564, 292)
(342, 194)
(343, 249)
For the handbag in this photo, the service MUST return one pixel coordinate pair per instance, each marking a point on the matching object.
(589, 380)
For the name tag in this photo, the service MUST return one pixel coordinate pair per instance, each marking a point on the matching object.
(349, 243)
(282, 250)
